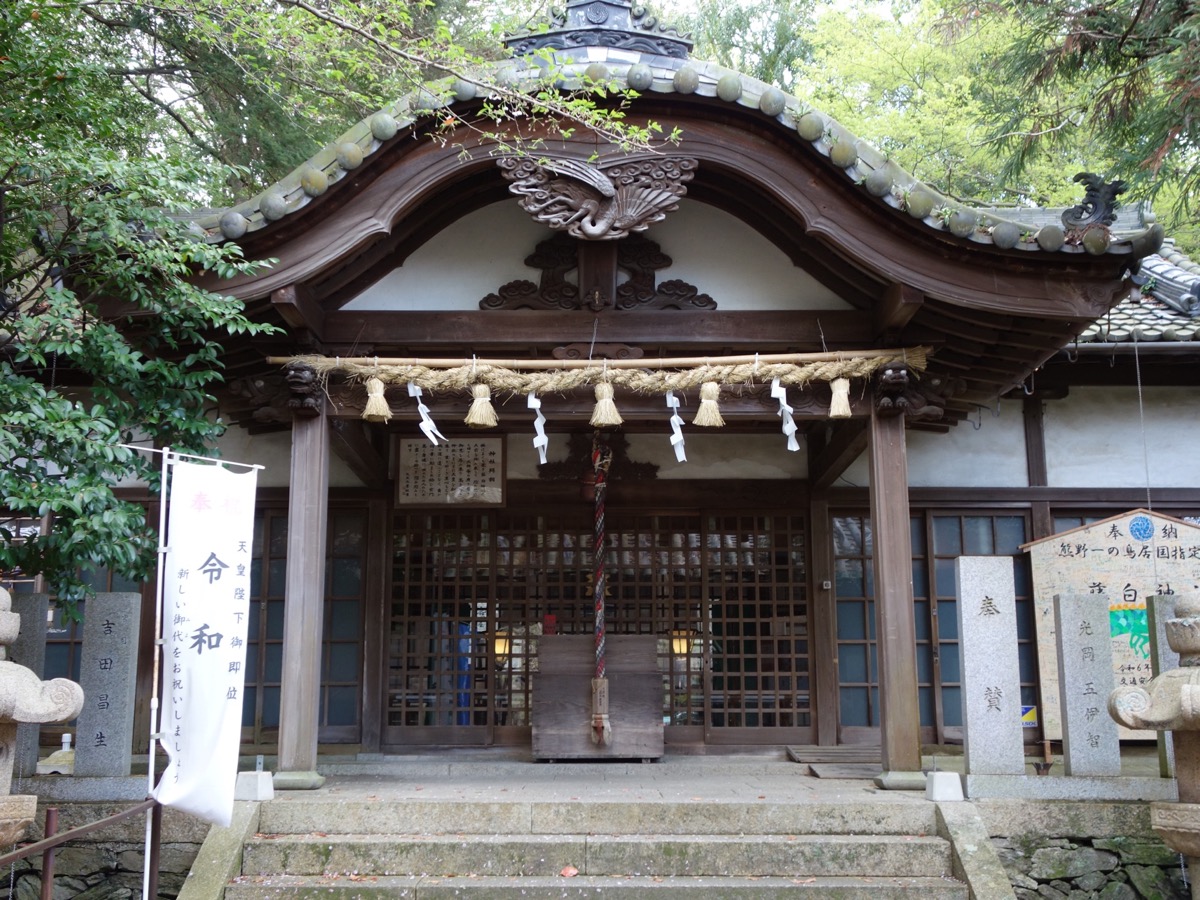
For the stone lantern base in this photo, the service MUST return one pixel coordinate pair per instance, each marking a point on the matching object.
(16, 815)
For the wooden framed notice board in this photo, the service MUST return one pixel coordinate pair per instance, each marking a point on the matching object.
(465, 471)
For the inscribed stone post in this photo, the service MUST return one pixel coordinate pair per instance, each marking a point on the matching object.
(1159, 608)
(1091, 743)
(107, 671)
(29, 650)
(991, 678)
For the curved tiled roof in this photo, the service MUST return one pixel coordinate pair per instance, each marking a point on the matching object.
(1164, 305)
(647, 67)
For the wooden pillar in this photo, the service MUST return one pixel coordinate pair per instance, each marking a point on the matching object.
(1033, 414)
(900, 713)
(304, 602)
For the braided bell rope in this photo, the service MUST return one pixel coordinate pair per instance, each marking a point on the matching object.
(601, 460)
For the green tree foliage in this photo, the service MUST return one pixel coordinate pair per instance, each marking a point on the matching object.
(261, 86)
(767, 39)
(93, 292)
(919, 92)
(117, 117)
(1121, 74)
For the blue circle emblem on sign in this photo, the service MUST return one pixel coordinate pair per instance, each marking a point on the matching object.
(1141, 528)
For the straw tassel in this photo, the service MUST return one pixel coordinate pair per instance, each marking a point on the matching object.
(709, 414)
(377, 409)
(839, 405)
(605, 412)
(481, 414)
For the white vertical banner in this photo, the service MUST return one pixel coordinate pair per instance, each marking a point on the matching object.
(206, 602)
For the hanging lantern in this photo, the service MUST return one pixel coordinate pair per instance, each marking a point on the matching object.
(377, 409)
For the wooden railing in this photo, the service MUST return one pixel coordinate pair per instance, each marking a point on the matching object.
(52, 841)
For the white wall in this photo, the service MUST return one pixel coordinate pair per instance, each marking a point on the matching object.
(991, 456)
(716, 252)
(709, 455)
(273, 451)
(1094, 438)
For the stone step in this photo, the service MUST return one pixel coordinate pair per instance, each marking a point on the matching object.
(358, 816)
(607, 854)
(351, 887)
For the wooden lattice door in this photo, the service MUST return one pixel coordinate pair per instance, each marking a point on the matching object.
(474, 592)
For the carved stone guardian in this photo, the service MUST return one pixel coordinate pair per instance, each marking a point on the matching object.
(1171, 701)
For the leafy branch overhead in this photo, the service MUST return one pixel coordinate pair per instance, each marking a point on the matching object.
(1124, 74)
(118, 118)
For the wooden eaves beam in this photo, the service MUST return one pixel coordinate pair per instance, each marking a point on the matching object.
(846, 443)
(348, 439)
(299, 310)
(899, 304)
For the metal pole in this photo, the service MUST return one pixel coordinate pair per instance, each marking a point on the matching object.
(48, 855)
(150, 891)
(151, 871)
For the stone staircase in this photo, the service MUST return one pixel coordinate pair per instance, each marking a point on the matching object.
(364, 845)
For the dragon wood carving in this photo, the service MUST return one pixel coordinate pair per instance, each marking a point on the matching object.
(598, 203)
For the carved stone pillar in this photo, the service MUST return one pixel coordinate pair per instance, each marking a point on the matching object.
(304, 600)
(900, 713)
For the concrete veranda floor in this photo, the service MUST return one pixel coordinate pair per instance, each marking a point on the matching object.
(510, 773)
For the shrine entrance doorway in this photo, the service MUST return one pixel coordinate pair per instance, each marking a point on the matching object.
(724, 592)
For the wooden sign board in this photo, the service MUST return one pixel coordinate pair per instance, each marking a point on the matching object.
(1120, 561)
(465, 471)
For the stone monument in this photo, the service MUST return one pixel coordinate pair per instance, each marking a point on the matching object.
(24, 697)
(991, 671)
(1172, 701)
(1091, 743)
(108, 673)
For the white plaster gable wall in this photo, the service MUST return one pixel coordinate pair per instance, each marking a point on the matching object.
(992, 456)
(1094, 438)
(722, 256)
(726, 259)
(709, 455)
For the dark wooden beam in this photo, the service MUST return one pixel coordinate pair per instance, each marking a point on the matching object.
(299, 310)
(1033, 412)
(899, 304)
(838, 328)
(598, 272)
(349, 440)
(846, 444)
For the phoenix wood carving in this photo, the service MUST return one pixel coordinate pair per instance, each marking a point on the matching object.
(598, 203)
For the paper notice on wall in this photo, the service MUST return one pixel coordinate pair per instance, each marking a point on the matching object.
(205, 611)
